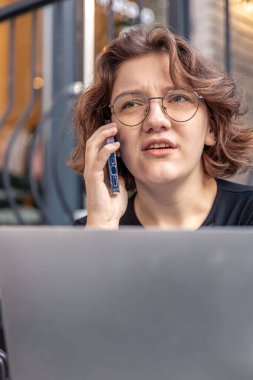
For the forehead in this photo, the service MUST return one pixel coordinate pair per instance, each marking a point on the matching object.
(149, 71)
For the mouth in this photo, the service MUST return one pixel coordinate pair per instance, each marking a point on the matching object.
(158, 144)
(159, 148)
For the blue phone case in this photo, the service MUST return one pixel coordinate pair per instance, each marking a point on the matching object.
(112, 168)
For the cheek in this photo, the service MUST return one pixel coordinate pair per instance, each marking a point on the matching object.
(192, 141)
(127, 145)
(121, 137)
(198, 131)
(125, 139)
(126, 151)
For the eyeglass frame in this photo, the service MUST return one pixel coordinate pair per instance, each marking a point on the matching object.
(199, 97)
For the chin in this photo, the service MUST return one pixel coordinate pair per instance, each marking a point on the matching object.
(156, 174)
(161, 179)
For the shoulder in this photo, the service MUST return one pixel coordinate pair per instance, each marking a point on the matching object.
(234, 188)
(233, 205)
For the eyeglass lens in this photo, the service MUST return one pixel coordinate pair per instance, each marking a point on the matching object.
(132, 108)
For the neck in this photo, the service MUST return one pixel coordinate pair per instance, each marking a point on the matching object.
(175, 205)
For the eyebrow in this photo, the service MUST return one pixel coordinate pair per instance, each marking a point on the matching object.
(138, 91)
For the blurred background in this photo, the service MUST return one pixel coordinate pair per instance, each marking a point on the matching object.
(48, 49)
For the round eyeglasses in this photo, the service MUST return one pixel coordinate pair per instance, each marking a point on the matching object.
(131, 109)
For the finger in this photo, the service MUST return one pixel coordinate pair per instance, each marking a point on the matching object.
(105, 153)
(102, 129)
(95, 166)
(96, 143)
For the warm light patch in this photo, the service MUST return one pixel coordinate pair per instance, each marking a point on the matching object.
(38, 83)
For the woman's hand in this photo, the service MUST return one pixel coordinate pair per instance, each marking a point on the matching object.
(104, 208)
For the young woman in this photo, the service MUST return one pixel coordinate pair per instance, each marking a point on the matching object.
(175, 119)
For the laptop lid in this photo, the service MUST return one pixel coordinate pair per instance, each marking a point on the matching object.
(127, 305)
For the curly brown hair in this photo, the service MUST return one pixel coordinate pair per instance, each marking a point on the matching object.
(233, 150)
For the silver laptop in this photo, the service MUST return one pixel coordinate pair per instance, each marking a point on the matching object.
(128, 305)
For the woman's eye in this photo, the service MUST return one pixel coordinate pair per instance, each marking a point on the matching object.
(130, 104)
(178, 99)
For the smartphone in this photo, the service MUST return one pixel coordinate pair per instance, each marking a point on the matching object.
(112, 166)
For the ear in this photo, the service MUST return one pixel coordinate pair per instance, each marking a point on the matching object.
(210, 139)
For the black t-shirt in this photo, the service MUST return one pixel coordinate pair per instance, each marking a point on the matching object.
(233, 206)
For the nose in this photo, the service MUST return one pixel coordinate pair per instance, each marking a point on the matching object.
(156, 118)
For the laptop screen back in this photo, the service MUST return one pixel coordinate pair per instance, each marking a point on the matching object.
(127, 305)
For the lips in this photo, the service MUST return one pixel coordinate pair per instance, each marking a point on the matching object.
(159, 144)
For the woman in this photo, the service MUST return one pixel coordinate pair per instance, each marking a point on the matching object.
(175, 117)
